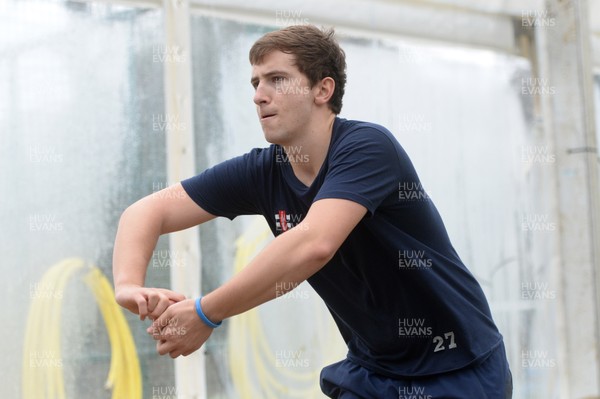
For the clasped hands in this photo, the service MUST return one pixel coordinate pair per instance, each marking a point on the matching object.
(175, 326)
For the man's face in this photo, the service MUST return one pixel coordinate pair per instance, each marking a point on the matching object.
(283, 97)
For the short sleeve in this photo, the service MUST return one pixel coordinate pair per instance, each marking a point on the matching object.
(364, 167)
(230, 188)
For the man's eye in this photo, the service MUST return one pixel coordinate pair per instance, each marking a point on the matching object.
(278, 79)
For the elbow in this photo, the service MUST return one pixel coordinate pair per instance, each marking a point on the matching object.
(125, 215)
(321, 252)
(133, 209)
(141, 215)
(128, 215)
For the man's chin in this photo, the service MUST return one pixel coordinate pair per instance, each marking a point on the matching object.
(273, 138)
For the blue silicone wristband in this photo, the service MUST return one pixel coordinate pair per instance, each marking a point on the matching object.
(203, 316)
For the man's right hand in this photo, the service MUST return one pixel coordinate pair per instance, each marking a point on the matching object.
(147, 302)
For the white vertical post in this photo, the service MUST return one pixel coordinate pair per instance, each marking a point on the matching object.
(190, 377)
(566, 66)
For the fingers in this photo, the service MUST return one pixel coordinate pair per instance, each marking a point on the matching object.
(146, 302)
(152, 300)
(179, 330)
(142, 305)
(164, 347)
(160, 308)
(172, 295)
(159, 329)
(189, 352)
(170, 324)
(132, 299)
(158, 301)
(165, 331)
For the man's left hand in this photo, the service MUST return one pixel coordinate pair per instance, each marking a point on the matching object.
(179, 330)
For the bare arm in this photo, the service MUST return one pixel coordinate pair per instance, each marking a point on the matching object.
(291, 258)
(165, 211)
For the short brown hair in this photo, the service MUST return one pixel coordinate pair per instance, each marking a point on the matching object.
(317, 55)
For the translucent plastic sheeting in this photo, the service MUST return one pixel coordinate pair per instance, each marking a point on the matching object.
(597, 108)
(81, 102)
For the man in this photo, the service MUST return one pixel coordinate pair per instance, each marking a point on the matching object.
(370, 241)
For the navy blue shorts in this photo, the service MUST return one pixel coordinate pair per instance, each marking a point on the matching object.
(490, 379)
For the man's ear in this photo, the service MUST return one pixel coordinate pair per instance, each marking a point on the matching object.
(324, 90)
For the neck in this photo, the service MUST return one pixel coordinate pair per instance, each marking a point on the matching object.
(306, 156)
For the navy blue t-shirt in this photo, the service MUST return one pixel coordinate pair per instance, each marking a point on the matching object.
(401, 297)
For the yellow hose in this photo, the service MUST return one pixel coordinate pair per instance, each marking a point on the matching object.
(251, 357)
(42, 346)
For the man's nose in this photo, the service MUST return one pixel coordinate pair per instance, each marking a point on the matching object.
(260, 95)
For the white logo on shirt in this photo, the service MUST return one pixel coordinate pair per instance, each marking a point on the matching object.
(285, 221)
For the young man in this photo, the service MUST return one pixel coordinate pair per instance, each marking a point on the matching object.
(371, 243)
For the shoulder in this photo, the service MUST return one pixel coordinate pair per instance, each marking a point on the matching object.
(255, 159)
(249, 165)
(349, 131)
(351, 125)
(364, 136)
